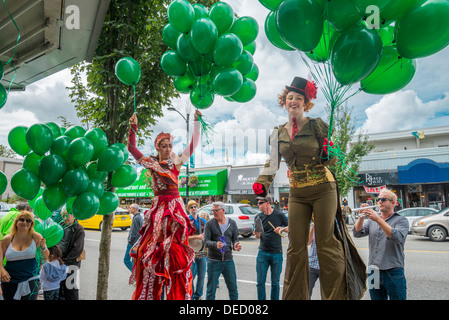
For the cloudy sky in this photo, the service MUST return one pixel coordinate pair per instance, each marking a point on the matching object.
(421, 104)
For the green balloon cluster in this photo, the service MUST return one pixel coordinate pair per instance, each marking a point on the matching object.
(68, 168)
(210, 52)
(3, 91)
(371, 42)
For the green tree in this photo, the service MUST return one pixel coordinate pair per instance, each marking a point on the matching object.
(132, 28)
(344, 131)
(6, 152)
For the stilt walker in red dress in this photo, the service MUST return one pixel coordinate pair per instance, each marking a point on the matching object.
(162, 254)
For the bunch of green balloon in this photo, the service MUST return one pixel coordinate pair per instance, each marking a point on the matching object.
(210, 52)
(72, 167)
(343, 35)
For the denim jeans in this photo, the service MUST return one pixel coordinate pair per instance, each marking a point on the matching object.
(127, 258)
(214, 269)
(264, 261)
(198, 269)
(392, 285)
(51, 294)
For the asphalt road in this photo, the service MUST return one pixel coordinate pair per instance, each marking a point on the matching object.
(425, 268)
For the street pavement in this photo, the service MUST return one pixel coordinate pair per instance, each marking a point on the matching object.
(425, 268)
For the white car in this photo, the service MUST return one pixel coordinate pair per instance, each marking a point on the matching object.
(242, 214)
(415, 213)
(5, 207)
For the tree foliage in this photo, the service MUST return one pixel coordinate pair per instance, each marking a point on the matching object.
(344, 131)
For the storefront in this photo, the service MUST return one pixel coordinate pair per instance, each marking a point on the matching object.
(209, 185)
(239, 186)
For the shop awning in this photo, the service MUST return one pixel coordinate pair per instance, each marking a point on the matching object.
(241, 180)
(210, 183)
(423, 171)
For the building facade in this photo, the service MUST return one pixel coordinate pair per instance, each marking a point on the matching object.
(414, 164)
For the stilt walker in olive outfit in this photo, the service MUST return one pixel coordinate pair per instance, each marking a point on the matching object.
(302, 142)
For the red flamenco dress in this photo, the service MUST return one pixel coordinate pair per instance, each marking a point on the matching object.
(162, 253)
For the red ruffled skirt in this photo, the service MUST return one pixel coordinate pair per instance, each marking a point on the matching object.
(162, 254)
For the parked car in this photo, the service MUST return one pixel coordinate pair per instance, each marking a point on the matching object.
(242, 214)
(435, 226)
(122, 219)
(415, 213)
(5, 207)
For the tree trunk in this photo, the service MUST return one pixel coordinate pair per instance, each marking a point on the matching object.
(104, 257)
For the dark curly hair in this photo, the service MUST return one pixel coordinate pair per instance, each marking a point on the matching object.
(283, 97)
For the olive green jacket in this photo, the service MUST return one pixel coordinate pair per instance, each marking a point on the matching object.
(305, 149)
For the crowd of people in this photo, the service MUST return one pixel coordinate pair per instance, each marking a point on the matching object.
(171, 245)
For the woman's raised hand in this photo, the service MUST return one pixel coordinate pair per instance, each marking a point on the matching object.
(197, 114)
(133, 119)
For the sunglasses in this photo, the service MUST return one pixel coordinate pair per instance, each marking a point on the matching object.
(25, 220)
(193, 207)
(383, 199)
(215, 210)
(261, 203)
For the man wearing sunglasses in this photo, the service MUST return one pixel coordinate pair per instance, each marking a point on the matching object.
(270, 248)
(387, 233)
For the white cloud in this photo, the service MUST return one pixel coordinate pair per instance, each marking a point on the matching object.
(401, 111)
(12, 119)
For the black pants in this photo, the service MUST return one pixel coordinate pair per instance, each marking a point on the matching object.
(9, 290)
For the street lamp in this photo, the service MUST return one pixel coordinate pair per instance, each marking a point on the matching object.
(187, 142)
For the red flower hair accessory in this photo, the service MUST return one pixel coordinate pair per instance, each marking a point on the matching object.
(311, 90)
(161, 136)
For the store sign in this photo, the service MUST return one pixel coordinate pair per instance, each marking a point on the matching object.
(241, 180)
(374, 189)
(379, 178)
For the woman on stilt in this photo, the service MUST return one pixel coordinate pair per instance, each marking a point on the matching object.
(162, 254)
(302, 142)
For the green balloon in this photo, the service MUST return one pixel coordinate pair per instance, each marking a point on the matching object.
(99, 140)
(300, 23)
(362, 5)
(251, 47)
(51, 169)
(60, 147)
(110, 159)
(3, 182)
(424, 29)
(80, 152)
(228, 49)
(128, 71)
(26, 184)
(124, 176)
(184, 83)
(69, 204)
(200, 67)
(52, 233)
(85, 206)
(272, 33)
(123, 149)
(32, 201)
(75, 132)
(54, 128)
(254, 73)
(244, 63)
(391, 74)
(186, 49)
(181, 15)
(108, 203)
(200, 11)
(75, 182)
(202, 98)
(222, 15)
(39, 138)
(387, 35)
(203, 35)
(41, 210)
(246, 28)
(355, 54)
(396, 9)
(170, 36)
(17, 140)
(246, 93)
(342, 14)
(323, 51)
(96, 187)
(31, 162)
(172, 64)
(94, 174)
(38, 227)
(271, 4)
(3, 95)
(227, 82)
(54, 196)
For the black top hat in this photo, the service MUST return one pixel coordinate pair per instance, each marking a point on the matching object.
(304, 87)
